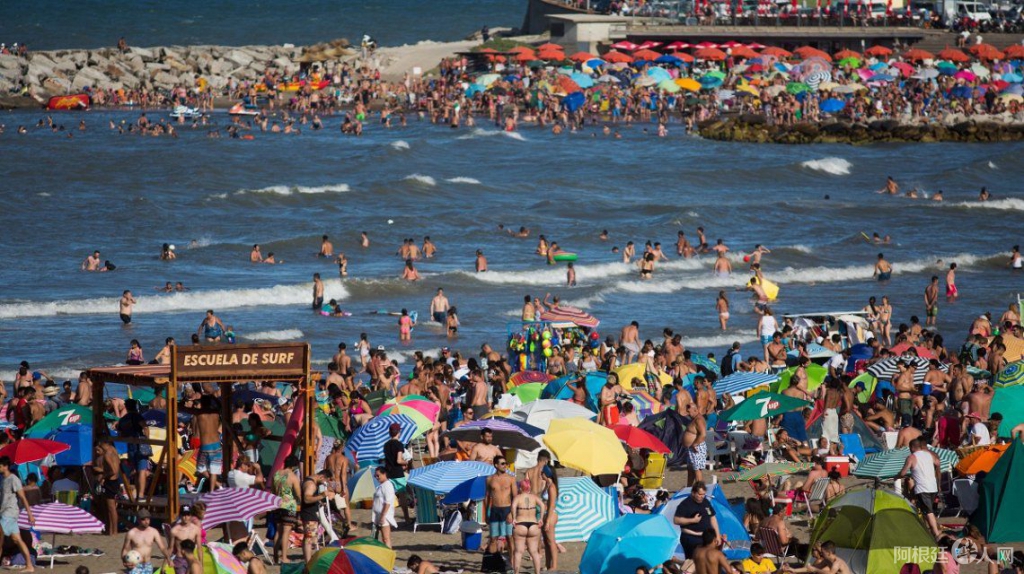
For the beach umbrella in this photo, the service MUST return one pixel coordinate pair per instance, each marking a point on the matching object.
(881, 78)
(525, 377)
(606, 79)
(832, 105)
(814, 79)
(367, 442)
(888, 369)
(965, 76)
(625, 45)
(629, 542)
(423, 424)
(362, 484)
(646, 55)
(712, 54)
(487, 79)
(797, 87)
(986, 52)
(470, 490)
(241, 504)
(649, 44)
(474, 89)
(686, 58)
(815, 64)
(946, 69)
(768, 468)
(669, 60)
(878, 51)
(66, 415)
(980, 70)
(926, 74)
(60, 518)
(750, 91)
(616, 57)
(887, 464)
(811, 52)
(677, 46)
(582, 57)
(582, 80)
(744, 53)
(709, 82)
(981, 460)
(659, 73)
(217, 558)
(917, 55)
(331, 560)
(776, 51)
(505, 434)
(846, 53)
(904, 349)
(815, 373)
(1012, 374)
(850, 63)
(761, 405)
(574, 101)
(645, 403)
(528, 393)
(699, 359)
(646, 81)
(443, 476)
(669, 86)
(372, 549)
(722, 94)
(582, 508)
(409, 406)
(541, 413)
(954, 55)
(79, 441)
(1015, 51)
(585, 446)
(595, 63)
(904, 68)
(31, 450)
(742, 381)
(961, 92)
(688, 84)
(638, 438)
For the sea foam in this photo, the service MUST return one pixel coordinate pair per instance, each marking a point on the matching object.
(831, 165)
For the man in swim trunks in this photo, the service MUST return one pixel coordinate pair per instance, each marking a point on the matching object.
(501, 489)
(208, 426)
(931, 301)
(481, 261)
(106, 463)
(696, 448)
(951, 291)
(326, 249)
(92, 262)
(211, 329)
(630, 339)
(883, 270)
(126, 304)
(318, 290)
(439, 307)
(722, 266)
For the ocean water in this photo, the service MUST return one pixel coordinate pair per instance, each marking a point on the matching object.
(56, 24)
(126, 195)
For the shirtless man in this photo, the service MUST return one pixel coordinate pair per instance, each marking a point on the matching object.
(429, 249)
(106, 466)
(891, 187)
(702, 241)
(628, 253)
(776, 351)
(755, 255)
(326, 249)
(83, 394)
(708, 557)
(962, 382)
(142, 537)
(883, 270)
(337, 464)
(682, 244)
(880, 419)
(904, 384)
(906, 435)
(439, 307)
(480, 404)
(705, 396)
(184, 536)
(696, 448)
(501, 489)
(931, 301)
(364, 240)
(827, 562)
(980, 400)
(247, 558)
(164, 356)
(481, 261)
(414, 251)
(720, 247)
(951, 291)
(762, 298)
(630, 339)
(344, 364)
(92, 262)
(485, 450)
(255, 256)
(210, 461)
(318, 291)
(722, 265)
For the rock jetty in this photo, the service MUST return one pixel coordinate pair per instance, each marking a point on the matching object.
(754, 128)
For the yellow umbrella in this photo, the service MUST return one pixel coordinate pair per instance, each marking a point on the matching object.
(585, 446)
(1007, 98)
(748, 89)
(1014, 348)
(826, 86)
(187, 465)
(627, 373)
(688, 84)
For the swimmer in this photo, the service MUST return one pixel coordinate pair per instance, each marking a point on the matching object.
(951, 291)
(883, 270)
(364, 240)
(937, 196)
(523, 232)
(542, 246)
(326, 249)
(570, 275)
(342, 262)
(168, 288)
(628, 253)
(92, 262)
(167, 252)
(603, 236)
(755, 255)
(409, 273)
(270, 260)
(722, 266)
(912, 194)
(481, 261)
(429, 249)
(984, 195)
(180, 287)
(255, 256)
(891, 187)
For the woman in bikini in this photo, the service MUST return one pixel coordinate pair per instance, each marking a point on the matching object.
(722, 306)
(360, 411)
(527, 515)
(885, 321)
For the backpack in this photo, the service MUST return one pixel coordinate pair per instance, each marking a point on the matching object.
(452, 521)
(727, 361)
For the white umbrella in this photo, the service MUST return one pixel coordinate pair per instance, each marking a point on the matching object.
(606, 79)
(541, 413)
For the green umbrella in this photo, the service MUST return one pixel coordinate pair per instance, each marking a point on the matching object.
(773, 468)
(66, 415)
(1009, 401)
(329, 426)
(851, 62)
(268, 447)
(715, 74)
(869, 381)
(1012, 374)
(144, 395)
(528, 392)
(888, 464)
(534, 64)
(761, 405)
(797, 87)
(815, 376)
(669, 86)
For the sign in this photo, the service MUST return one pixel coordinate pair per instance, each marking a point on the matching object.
(257, 362)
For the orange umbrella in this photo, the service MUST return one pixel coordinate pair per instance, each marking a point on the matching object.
(843, 54)
(614, 57)
(567, 84)
(521, 49)
(1015, 51)
(917, 55)
(646, 55)
(743, 52)
(550, 55)
(710, 54)
(981, 460)
(492, 55)
(878, 51)
(582, 57)
(777, 52)
(550, 46)
(954, 55)
(810, 52)
(987, 52)
(684, 57)
(524, 57)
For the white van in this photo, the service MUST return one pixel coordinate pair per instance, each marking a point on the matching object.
(971, 10)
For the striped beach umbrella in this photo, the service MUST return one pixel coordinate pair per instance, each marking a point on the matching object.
(333, 560)
(367, 443)
(888, 369)
(428, 409)
(703, 361)
(889, 463)
(362, 484)
(567, 314)
(217, 558)
(241, 504)
(742, 382)
(505, 434)
(1012, 374)
(582, 508)
(645, 403)
(772, 468)
(443, 476)
(817, 77)
(374, 550)
(60, 518)
(526, 377)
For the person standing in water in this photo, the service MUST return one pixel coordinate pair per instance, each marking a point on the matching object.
(1016, 261)
(126, 304)
(481, 261)
(722, 306)
(405, 325)
(410, 273)
(570, 276)
(326, 249)
(931, 301)
(951, 291)
(318, 291)
(883, 270)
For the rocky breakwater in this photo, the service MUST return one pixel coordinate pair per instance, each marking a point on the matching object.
(60, 72)
(755, 129)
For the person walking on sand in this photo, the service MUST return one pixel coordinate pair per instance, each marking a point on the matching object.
(11, 493)
(126, 304)
(951, 291)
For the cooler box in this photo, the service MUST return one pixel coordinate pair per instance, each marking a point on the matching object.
(839, 463)
(472, 536)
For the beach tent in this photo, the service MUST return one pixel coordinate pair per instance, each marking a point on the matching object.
(729, 523)
(79, 439)
(1001, 498)
(559, 388)
(668, 426)
(1009, 401)
(867, 525)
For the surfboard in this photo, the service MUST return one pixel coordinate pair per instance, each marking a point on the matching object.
(291, 434)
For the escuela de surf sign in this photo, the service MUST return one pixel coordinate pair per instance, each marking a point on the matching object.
(257, 361)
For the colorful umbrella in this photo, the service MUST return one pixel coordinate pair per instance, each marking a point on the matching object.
(703, 360)
(582, 57)
(582, 508)
(443, 476)
(888, 369)
(981, 460)
(614, 57)
(529, 392)
(832, 106)
(362, 484)
(888, 464)
(374, 550)
(585, 446)
(713, 54)
(217, 558)
(332, 560)
(237, 504)
(763, 405)
(66, 415)
(31, 450)
(570, 315)
(367, 443)
(646, 55)
(645, 403)
(1012, 374)
(423, 413)
(187, 464)
(524, 377)
(954, 55)
(629, 542)
(815, 373)
(505, 434)
(904, 349)
(639, 439)
(688, 84)
(740, 382)
(768, 468)
(59, 518)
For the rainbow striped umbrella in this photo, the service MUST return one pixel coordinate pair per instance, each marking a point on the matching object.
(1012, 374)
(526, 377)
(374, 550)
(567, 314)
(331, 560)
(425, 407)
(645, 403)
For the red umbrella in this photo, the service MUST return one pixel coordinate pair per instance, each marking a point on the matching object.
(684, 57)
(614, 57)
(918, 54)
(878, 51)
(32, 449)
(921, 351)
(648, 45)
(954, 55)
(730, 44)
(756, 46)
(625, 45)
(582, 57)
(710, 54)
(677, 46)
(550, 55)
(775, 51)
(844, 54)
(1015, 51)
(646, 54)
(638, 438)
(549, 46)
(704, 45)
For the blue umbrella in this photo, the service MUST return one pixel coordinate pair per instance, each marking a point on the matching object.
(79, 438)
(832, 105)
(881, 78)
(574, 101)
(443, 476)
(559, 389)
(877, 66)
(741, 382)
(582, 80)
(710, 82)
(367, 443)
(155, 418)
(946, 69)
(629, 542)
(249, 395)
(1012, 77)
(672, 60)
(472, 489)
(474, 89)
(659, 74)
(582, 508)
(961, 92)
(728, 522)
(593, 63)
(1014, 89)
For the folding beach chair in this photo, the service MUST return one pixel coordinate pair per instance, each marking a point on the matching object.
(427, 513)
(773, 547)
(817, 494)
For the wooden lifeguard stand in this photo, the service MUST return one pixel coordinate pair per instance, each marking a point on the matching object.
(219, 364)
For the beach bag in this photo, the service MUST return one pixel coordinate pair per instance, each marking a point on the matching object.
(452, 521)
(494, 563)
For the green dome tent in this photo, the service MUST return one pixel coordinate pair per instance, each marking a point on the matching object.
(1000, 498)
(867, 526)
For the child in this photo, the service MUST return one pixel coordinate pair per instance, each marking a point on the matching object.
(570, 276)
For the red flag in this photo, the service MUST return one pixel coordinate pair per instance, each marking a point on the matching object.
(860, 6)
(846, 7)
(794, 6)
(818, 11)
(888, 8)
